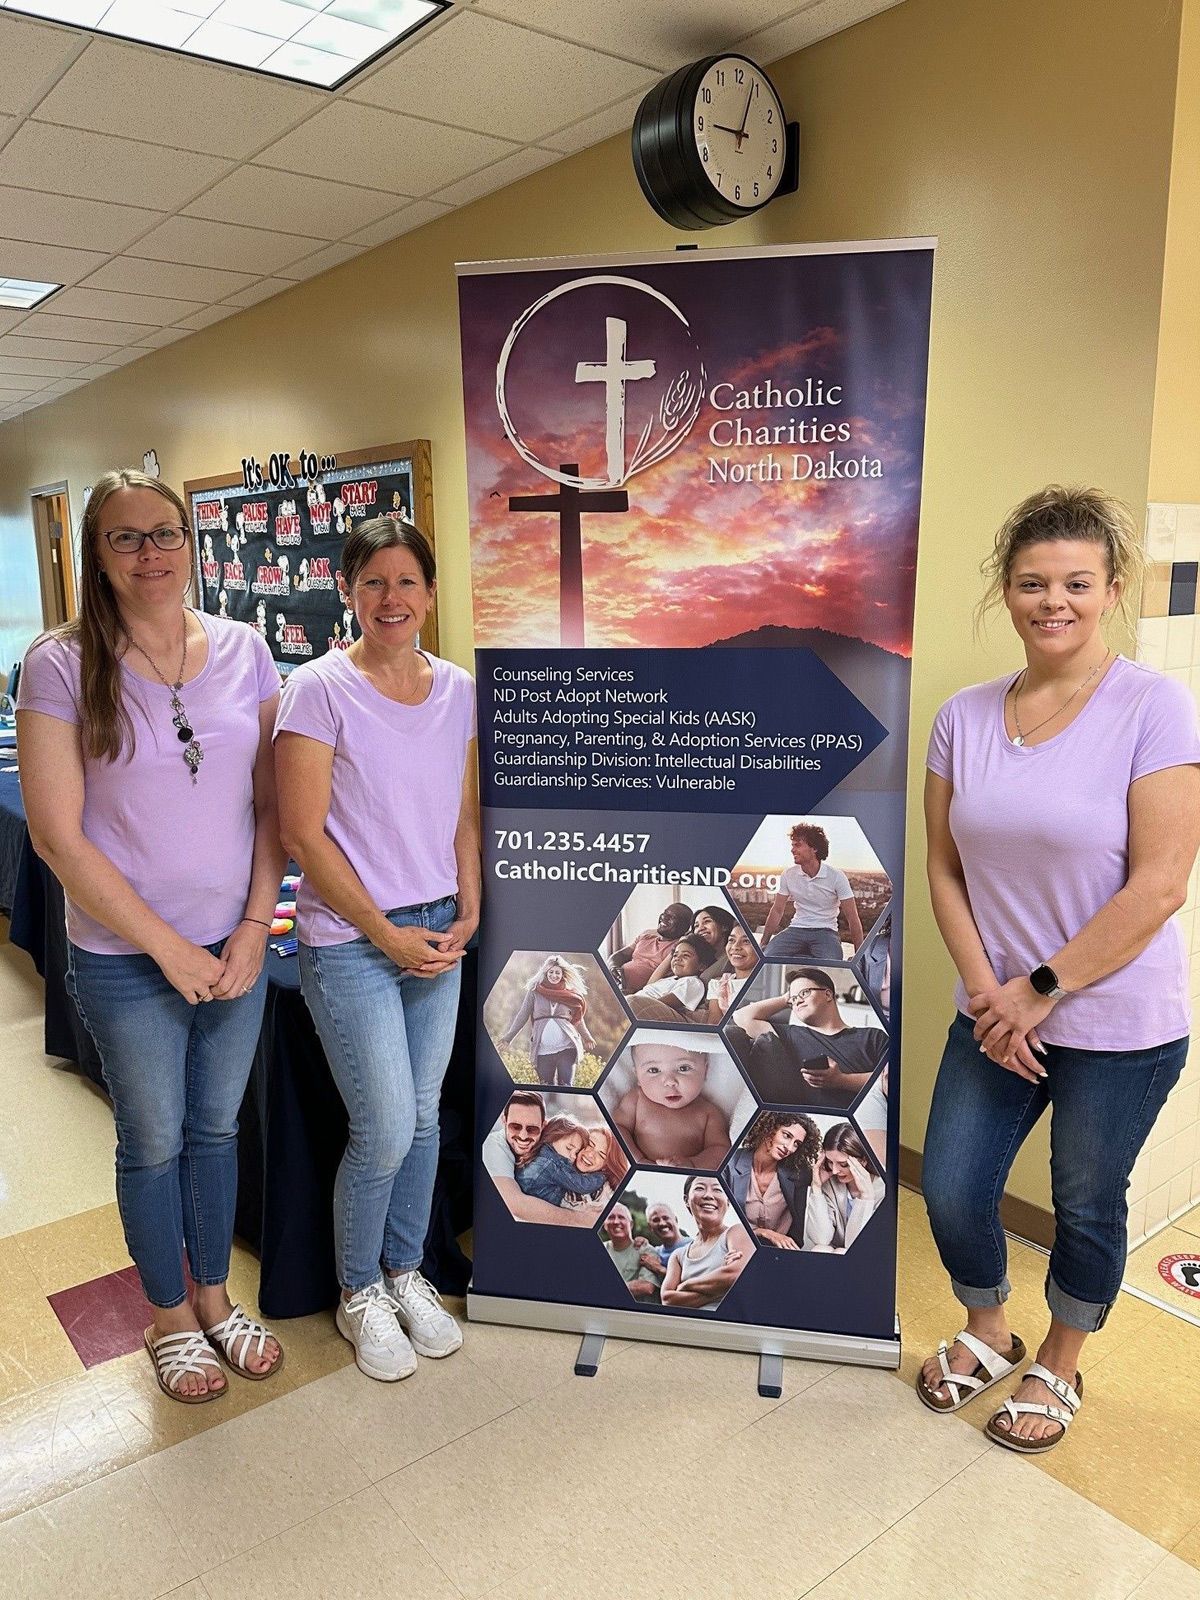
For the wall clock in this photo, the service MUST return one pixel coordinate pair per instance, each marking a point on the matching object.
(711, 143)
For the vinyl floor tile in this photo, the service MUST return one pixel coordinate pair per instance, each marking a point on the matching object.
(76, 1249)
(34, 1348)
(149, 1420)
(1173, 1580)
(1142, 1267)
(105, 1318)
(55, 1439)
(1188, 1548)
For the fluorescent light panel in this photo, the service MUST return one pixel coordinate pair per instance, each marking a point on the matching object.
(322, 42)
(23, 294)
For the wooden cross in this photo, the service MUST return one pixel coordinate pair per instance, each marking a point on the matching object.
(570, 503)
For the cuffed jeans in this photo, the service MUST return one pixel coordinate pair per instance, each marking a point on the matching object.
(805, 944)
(176, 1073)
(388, 1037)
(1103, 1105)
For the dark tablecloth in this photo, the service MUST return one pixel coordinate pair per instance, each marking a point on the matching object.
(292, 1124)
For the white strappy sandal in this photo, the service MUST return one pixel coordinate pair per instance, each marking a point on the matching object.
(966, 1386)
(235, 1335)
(178, 1355)
(1064, 1414)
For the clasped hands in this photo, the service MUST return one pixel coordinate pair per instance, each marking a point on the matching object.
(1007, 1018)
(426, 954)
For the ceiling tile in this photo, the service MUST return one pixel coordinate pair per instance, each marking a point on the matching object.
(258, 291)
(105, 305)
(7, 124)
(31, 367)
(582, 135)
(130, 275)
(479, 73)
(382, 149)
(122, 358)
(12, 389)
(497, 176)
(260, 198)
(19, 344)
(194, 241)
(60, 219)
(98, 166)
(47, 263)
(53, 390)
(207, 316)
(815, 22)
(405, 220)
(33, 56)
(99, 369)
(332, 256)
(117, 88)
(663, 34)
(51, 325)
(10, 319)
(161, 337)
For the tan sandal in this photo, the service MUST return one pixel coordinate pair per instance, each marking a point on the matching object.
(235, 1335)
(1063, 1414)
(990, 1368)
(178, 1355)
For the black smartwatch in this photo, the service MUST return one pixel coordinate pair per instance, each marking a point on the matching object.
(1045, 980)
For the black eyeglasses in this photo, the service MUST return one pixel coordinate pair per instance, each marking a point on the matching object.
(128, 541)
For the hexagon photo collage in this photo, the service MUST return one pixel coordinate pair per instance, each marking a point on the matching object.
(711, 1080)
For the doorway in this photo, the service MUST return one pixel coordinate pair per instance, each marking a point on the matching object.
(52, 536)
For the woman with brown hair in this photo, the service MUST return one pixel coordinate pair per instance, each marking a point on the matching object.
(770, 1172)
(144, 731)
(845, 1192)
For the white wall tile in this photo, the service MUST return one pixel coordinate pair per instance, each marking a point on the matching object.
(1187, 533)
(1152, 641)
(1181, 634)
(1160, 532)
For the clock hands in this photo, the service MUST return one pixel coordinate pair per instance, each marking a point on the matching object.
(738, 133)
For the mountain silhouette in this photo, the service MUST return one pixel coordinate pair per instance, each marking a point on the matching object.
(879, 678)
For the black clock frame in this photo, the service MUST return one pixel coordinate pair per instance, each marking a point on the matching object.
(667, 164)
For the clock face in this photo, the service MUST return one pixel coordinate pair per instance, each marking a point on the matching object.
(738, 126)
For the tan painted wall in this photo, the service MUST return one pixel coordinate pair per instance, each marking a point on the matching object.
(1034, 137)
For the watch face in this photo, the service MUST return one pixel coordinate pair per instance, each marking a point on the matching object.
(738, 126)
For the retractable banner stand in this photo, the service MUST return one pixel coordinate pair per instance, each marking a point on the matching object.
(694, 488)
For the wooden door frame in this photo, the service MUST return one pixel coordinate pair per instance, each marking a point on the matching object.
(66, 544)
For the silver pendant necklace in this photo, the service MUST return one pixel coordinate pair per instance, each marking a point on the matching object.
(192, 753)
(1022, 734)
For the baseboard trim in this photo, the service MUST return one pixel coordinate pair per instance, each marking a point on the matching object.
(1020, 1217)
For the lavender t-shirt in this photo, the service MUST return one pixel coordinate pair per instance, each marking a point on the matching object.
(1043, 835)
(186, 848)
(397, 782)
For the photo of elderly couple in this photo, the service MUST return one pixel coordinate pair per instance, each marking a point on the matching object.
(804, 1182)
(807, 1036)
(676, 1242)
(554, 1019)
(810, 888)
(678, 963)
(676, 1098)
(553, 1158)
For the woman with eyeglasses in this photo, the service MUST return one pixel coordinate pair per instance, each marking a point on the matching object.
(144, 736)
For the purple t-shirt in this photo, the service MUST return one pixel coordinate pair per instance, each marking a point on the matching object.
(397, 782)
(186, 848)
(1043, 835)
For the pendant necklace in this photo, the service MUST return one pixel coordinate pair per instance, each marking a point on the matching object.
(1023, 734)
(192, 753)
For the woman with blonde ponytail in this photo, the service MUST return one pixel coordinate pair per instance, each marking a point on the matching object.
(144, 733)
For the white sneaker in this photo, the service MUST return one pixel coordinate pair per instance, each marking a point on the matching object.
(381, 1350)
(418, 1306)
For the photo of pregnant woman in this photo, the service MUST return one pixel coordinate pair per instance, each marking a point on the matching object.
(554, 1018)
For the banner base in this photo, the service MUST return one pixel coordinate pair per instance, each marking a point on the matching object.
(849, 1349)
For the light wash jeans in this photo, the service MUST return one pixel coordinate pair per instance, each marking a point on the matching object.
(805, 944)
(176, 1073)
(388, 1037)
(1102, 1107)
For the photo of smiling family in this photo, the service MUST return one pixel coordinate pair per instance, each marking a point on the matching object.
(810, 888)
(553, 1158)
(805, 1182)
(677, 1098)
(677, 962)
(554, 1019)
(677, 1242)
(807, 1036)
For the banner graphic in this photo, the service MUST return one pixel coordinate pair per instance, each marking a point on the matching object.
(694, 485)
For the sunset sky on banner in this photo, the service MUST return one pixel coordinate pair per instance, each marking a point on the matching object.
(697, 557)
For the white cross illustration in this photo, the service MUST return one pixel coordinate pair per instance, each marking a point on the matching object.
(614, 372)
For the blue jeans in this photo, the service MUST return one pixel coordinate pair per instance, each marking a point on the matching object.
(1103, 1105)
(176, 1073)
(388, 1037)
(805, 944)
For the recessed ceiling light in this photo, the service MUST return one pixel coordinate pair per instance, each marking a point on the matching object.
(322, 42)
(23, 294)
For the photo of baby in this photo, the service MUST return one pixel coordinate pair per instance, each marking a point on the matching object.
(554, 1019)
(808, 887)
(676, 1098)
(554, 1159)
(676, 1241)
